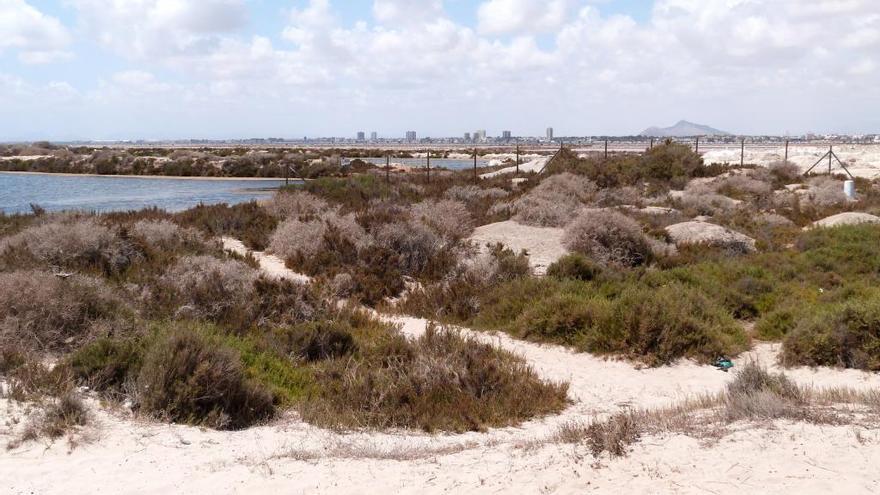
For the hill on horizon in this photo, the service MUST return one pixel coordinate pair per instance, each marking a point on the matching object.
(683, 129)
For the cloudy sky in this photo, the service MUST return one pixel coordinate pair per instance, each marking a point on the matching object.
(156, 69)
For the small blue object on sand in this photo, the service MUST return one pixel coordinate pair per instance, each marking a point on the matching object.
(723, 364)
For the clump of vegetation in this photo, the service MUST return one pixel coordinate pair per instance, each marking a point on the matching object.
(845, 334)
(554, 201)
(43, 312)
(207, 287)
(70, 243)
(608, 237)
(248, 222)
(575, 266)
(185, 377)
(164, 235)
(441, 381)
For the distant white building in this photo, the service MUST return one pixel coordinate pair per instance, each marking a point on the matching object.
(361, 136)
(550, 133)
(467, 136)
(411, 136)
(374, 136)
(480, 135)
(505, 135)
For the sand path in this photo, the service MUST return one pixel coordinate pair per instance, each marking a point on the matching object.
(289, 456)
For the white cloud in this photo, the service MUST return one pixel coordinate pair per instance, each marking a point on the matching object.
(150, 29)
(38, 38)
(527, 63)
(407, 11)
(518, 16)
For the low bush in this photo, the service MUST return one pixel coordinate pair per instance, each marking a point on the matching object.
(554, 201)
(296, 204)
(187, 377)
(845, 334)
(208, 288)
(441, 381)
(608, 237)
(42, 312)
(449, 218)
(248, 222)
(575, 266)
(73, 243)
(164, 235)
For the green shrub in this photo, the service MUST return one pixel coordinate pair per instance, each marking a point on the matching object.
(845, 334)
(575, 266)
(187, 377)
(106, 364)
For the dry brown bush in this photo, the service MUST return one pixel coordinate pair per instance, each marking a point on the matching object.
(42, 312)
(472, 194)
(208, 287)
(555, 201)
(449, 218)
(297, 204)
(608, 237)
(824, 192)
(441, 381)
(295, 238)
(166, 235)
(413, 242)
(73, 243)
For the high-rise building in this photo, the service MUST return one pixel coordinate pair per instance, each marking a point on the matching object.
(480, 135)
(374, 136)
(505, 135)
(467, 136)
(550, 133)
(411, 136)
(361, 136)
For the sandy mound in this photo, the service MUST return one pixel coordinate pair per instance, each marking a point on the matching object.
(544, 244)
(847, 218)
(535, 165)
(710, 234)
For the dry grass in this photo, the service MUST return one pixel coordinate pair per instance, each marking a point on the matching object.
(449, 218)
(755, 395)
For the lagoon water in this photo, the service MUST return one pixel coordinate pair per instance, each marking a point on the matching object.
(64, 192)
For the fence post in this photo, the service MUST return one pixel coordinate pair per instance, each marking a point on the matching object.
(517, 159)
(830, 154)
(652, 143)
(742, 152)
(476, 179)
(786, 152)
(429, 165)
(387, 168)
(697, 146)
(606, 149)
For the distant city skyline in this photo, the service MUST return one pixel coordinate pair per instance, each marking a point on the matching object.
(227, 69)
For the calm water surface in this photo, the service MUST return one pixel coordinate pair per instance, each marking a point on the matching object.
(57, 192)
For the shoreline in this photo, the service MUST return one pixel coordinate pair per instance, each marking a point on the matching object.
(155, 177)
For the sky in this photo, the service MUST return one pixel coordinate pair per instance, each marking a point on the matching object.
(226, 69)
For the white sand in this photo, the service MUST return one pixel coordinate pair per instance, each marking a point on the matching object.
(846, 218)
(270, 264)
(535, 165)
(289, 456)
(861, 160)
(543, 244)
